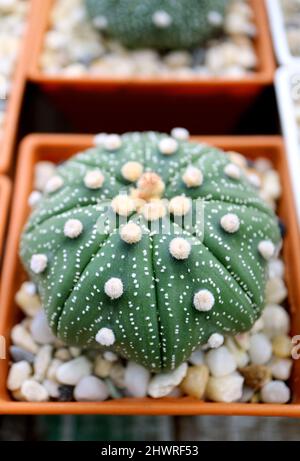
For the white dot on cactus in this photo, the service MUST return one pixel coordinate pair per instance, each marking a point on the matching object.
(73, 228)
(114, 288)
(230, 223)
(161, 19)
(132, 171)
(180, 248)
(94, 179)
(266, 249)
(179, 206)
(204, 300)
(215, 340)
(123, 205)
(100, 22)
(131, 233)
(154, 210)
(232, 171)
(105, 337)
(192, 177)
(215, 18)
(182, 134)
(112, 142)
(168, 146)
(54, 184)
(34, 198)
(99, 139)
(38, 263)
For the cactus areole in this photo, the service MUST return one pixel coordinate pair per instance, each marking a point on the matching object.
(155, 265)
(158, 24)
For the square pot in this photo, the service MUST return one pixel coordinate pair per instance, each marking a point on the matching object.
(15, 99)
(57, 148)
(181, 102)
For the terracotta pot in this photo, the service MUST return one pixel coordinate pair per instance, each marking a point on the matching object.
(5, 188)
(15, 101)
(59, 147)
(190, 103)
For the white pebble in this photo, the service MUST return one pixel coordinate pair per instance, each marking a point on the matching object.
(226, 389)
(112, 142)
(276, 321)
(18, 373)
(34, 391)
(162, 384)
(276, 269)
(281, 368)
(41, 362)
(105, 337)
(52, 369)
(168, 146)
(114, 288)
(99, 139)
(52, 387)
(266, 249)
(137, 379)
(34, 198)
(204, 300)
(22, 338)
(73, 371)
(73, 228)
(260, 349)
(275, 392)
(215, 340)
(182, 134)
(94, 179)
(38, 263)
(91, 389)
(230, 223)
(180, 248)
(276, 291)
(110, 356)
(197, 357)
(220, 362)
(40, 329)
(131, 233)
(54, 184)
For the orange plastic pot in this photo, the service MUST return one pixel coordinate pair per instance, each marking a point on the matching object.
(15, 101)
(60, 147)
(5, 188)
(190, 103)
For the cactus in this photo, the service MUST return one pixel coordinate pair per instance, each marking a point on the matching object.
(158, 24)
(118, 267)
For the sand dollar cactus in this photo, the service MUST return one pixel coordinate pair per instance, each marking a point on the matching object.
(155, 267)
(159, 24)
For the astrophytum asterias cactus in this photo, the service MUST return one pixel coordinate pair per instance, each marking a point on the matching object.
(159, 24)
(150, 245)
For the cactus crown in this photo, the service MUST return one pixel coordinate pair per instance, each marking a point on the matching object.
(108, 276)
(158, 24)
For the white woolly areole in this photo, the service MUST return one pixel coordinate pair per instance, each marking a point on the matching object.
(150, 185)
(266, 249)
(154, 210)
(99, 139)
(193, 177)
(55, 183)
(94, 179)
(73, 228)
(132, 171)
(204, 300)
(105, 337)
(215, 340)
(179, 206)
(180, 248)
(131, 233)
(237, 159)
(182, 134)
(161, 19)
(123, 205)
(112, 142)
(100, 22)
(114, 288)
(168, 146)
(34, 198)
(230, 223)
(38, 263)
(232, 171)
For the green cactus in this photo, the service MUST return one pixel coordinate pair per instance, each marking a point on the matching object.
(158, 24)
(152, 297)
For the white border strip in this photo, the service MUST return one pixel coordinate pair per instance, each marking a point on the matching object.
(277, 25)
(289, 126)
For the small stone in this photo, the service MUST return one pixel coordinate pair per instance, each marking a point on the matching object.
(204, 301)
(75, 351)
(114, 288)
(72, 372)
(112, 142)
(18, 354)
(52, 369)
(63, 354)
(40, 329)
(197, 357)
(18, 373)
(180, 248)
(117, 375)
(276, 291)
(99, 139)
(123, 205)
(52, 388)
(193, 177)
(65, 393)
(260, 349)
(257, 327)
(54, 184)
(256, 376)
(180, 205)
(105, 337)
(38, 263)
(220, 362)
(215, 340)
(20, 337)
(230, 223)
(91, 389)
(102, 367)
(163, 383)
(226, 389)
(276, 269)
(131, 233)
(276, 321)
(275, 392)
(132, 171)
(110, 356)
(94, 179)
(195, 381)
(44, 171)
(34, 198)
(266, 249)
(137, 379)
(232, 171)
(168, 146)
(181, 134)
(282, 346)
(30, 303)
(240, 355)
(42, 362)
(281, 368)
(34, 391)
